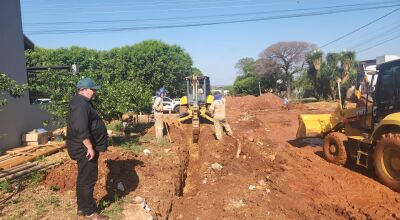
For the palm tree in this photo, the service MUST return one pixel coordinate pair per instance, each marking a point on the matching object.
(347, 60)
(314, 61)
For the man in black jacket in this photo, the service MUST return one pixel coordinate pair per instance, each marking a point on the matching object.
(86, 137)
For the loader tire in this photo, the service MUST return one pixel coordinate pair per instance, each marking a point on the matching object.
(387, 160)
(335, 150)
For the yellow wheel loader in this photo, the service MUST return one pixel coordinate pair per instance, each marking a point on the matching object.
(194, 105)
(369, 132)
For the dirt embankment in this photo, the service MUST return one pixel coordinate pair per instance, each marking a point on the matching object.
(274, 177)
(158, 177)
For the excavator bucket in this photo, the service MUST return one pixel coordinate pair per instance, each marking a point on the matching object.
(315, 125)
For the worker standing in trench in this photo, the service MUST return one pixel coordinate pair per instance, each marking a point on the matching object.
(86, 137)
(158, 113)
(217, 108)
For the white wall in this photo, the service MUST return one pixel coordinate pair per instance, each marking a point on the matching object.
(18, 116)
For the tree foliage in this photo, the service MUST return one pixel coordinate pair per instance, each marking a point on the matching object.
(321, 78)
(129, 75)
(290, 56)
(246, 85)
(245, 66)
(258, 74)
(10, 86)
(196, 71)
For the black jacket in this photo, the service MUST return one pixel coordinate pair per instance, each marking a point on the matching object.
(84, 122)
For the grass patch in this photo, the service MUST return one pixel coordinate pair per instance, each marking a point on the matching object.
(35, 178)
(54, 188)
(5, 186)
(138, 128)
(132, 144)
(40, 208)
(128, 143)
(53, 201)
(163, 142)
(15, 201)
(115, 126)
(40, 158)
(113, 210)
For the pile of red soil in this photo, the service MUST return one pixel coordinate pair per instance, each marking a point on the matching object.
(249, 102)
(266, 101)
(115, 166)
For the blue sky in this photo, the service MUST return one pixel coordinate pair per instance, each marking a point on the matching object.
(215, 49)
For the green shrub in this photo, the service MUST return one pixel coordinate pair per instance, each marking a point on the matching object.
(115, 125)
(5, 186)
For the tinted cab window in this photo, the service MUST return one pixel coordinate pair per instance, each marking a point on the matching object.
(388, 92)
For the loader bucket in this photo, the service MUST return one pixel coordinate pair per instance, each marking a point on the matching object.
(315, 125)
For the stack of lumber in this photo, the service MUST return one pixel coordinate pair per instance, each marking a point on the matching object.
(21, 155)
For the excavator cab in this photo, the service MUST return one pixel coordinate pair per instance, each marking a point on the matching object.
(197, 89)
(194, 105)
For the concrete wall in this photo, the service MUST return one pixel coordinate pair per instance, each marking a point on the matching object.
(18, 116)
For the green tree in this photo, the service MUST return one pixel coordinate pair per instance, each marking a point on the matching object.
(323, 75)
(154, 63)
(310, 81)
(245, 85)
(10, 86)
(123, 96)
(269, 74)
(60, 88)
(129, 75)
(245, 66)
(196, 71)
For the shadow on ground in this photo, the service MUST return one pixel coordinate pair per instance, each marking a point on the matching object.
(310, 142)
(121, 179)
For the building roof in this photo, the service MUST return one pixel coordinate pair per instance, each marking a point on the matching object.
(28, 44)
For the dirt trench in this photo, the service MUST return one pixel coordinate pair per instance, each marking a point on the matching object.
(275, 176)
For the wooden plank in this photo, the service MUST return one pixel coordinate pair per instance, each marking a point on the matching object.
(23, 157)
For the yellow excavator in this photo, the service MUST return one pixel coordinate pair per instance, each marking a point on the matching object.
(369, 132)
(194, 105)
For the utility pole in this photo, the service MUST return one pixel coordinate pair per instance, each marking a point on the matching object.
(259, 87)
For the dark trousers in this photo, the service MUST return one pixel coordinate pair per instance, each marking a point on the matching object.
(87, 178)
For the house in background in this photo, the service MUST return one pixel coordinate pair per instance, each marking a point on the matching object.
(18, 116)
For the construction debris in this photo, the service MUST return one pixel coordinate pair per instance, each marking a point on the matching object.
(35, 137)
(24, 170)
(21, 155)
(216, 166)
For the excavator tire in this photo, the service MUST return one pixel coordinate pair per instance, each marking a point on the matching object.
(335, 150)
(183, 109)
(387, 160)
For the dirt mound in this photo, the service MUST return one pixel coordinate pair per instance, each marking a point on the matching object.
(115, 166)
(249, 102)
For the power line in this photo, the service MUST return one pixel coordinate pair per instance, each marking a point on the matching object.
(55, 12)
(137, 5)
(383, 42)
(351, 32)
(140, 4)
(41, 32)
(367, 36)
(203, 16)
(377, 36)
(241, 6)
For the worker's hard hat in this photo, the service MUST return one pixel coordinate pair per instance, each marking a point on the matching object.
(217, 96)
(162, 90)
